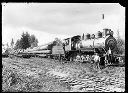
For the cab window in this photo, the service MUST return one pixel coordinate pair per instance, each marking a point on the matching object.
(67, 42)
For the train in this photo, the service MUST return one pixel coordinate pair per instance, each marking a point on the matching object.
(83, 48)
(79, 48)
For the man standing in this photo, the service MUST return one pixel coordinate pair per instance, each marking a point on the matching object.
(78, 58)
(109, 56)
(82, 58)
(96, 60)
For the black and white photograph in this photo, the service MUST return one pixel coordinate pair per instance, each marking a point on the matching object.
(63, 47)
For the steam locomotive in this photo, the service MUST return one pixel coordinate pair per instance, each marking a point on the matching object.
(104, 44)
(80, 48)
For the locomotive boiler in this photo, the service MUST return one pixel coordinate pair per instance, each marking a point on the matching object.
(103, 42)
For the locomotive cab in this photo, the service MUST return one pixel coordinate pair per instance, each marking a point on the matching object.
(72, 43)
(67, 44)
(75, 42)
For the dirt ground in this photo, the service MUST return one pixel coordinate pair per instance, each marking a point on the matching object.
(27, 75)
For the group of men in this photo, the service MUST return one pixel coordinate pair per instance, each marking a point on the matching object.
(96, 59)
(82, 58)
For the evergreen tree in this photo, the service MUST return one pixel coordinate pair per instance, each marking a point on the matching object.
(54, 43)
(33, 41)
(120, 44)
(26, 41)
(18, 45)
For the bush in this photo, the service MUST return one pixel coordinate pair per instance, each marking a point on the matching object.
(120, 46)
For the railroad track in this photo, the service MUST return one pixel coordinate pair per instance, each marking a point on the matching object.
(87, 85)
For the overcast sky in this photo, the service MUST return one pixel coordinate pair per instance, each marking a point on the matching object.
(49, 20)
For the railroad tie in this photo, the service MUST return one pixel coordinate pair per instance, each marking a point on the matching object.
(56, 77)
(70, 79)
(66, 80)
(52, 75)
(76, 83)
(48, 73)
(101, 89)
(62, 79)
(73, 82)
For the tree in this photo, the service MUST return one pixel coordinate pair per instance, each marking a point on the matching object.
(57, 41)
(33, 41)
(18, 45)
(120, 44)
(54, 43)
(26, 41)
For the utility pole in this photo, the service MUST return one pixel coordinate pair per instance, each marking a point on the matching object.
(103, 21)
(103, 16)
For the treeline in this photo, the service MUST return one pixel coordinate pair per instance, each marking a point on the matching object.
(30, 41)
(26, 41)
(120, 46)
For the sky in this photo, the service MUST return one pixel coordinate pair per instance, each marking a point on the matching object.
(50, 20)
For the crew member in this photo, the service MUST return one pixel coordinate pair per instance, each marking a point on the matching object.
(109, 55)
(82, 58)
(105, 59)
(97, 60)
(87, 58)
(78, 57)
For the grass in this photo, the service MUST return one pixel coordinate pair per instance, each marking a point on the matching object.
(17, 83)
(13, 80)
